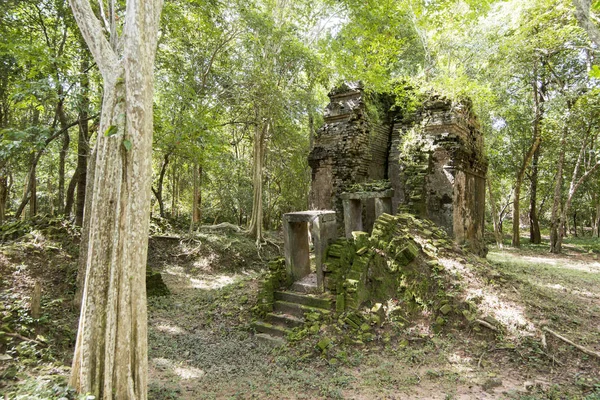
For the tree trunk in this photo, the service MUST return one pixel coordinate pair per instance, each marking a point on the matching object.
(535, 144)
(555, 243)
(535, 236)
(33, 188)
(62, 118)
(197, 202)
(79, 179)
(70, 195)
(174, 186)
(3, 194)
(158, 192)
(582, 13)
(111, 359)
(255, 228)
(497, 232)
(61, 170)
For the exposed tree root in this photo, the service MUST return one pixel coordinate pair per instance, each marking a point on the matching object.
(222, 225)
(487, 325)
(25, 339)
(580, 348)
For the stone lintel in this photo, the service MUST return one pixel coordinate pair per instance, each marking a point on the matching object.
(367, 195)
(338, 117)
(309, 216)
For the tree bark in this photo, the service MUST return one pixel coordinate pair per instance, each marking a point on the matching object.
(255, 227)
(582, 13)
(79, 178)
(495, 217)
(3, 194)
(535, 237)
(197, 202)
(158, 192)
(516, 240)
(535, 144)
(33, 188)
(555, 243)
(66, 141)
(111, 359)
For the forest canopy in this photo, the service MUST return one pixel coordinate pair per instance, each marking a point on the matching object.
(241, 87)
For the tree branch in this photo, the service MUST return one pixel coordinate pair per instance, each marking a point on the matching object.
(91, 29)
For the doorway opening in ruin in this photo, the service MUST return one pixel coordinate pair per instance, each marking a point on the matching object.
(299, 230)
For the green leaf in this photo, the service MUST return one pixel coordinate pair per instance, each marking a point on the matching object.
(112, 130)
(127, 144)
(595, 72)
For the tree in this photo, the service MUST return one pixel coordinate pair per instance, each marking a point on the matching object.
(110, 358)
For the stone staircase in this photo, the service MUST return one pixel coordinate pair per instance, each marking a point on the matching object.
(289, 310)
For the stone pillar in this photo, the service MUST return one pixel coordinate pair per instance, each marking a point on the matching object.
(383, 205)
(352, 216)
(324, 231)
(296, 249)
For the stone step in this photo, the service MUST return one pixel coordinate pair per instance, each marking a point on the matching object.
(267, 339)
(273, 330)
(297, 310)
(284, 320)
(305, 299)
(308, 284)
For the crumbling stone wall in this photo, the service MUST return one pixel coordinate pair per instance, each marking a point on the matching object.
(351, 147)
(433, 159)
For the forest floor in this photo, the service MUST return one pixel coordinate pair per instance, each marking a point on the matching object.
(201, 345)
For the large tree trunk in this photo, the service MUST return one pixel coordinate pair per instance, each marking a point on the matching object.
(111, 359)
(255, 228)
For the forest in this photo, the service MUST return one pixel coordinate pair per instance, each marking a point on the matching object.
(150, 148)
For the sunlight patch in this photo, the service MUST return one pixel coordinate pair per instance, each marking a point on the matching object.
(507, 313)
(189, 372)
(173, 330)
(212, 282)
(183, 371)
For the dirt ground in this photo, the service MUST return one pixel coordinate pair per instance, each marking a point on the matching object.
(201, 345)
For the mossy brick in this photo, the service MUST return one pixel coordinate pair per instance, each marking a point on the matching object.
(351, 301)
(355, 320)
(445, 309)
(340, 303)
(362, 251)
(335, 250)
(411, 251)
(401, 258)
(323, 344)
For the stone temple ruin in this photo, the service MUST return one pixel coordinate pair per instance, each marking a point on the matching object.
(403, 187)
(432, 158)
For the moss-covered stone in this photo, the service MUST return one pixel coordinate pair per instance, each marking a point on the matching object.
(155, 286)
